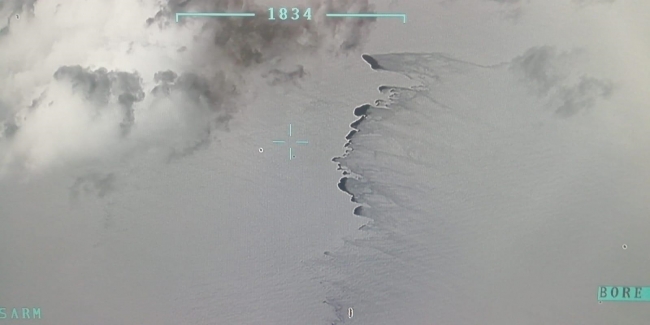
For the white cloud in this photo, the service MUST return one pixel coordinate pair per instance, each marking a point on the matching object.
(80, 115)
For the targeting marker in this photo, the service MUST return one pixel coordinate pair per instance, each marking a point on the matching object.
(213, 14)
(367, 15)
(295, 14)
(291, 153)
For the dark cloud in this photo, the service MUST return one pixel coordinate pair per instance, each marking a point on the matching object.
(96, 184)
(202, 141)
(37, 101)
(101, 86)
(583, 95)
(202, 94)
(165, 76)
(550, 74)
(277, 76)
(164, 80)
(209, 100)
(249, 41)
(536, 66)
(8, 129)
(4, 110)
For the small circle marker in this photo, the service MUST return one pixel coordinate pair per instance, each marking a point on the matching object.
(624, 246)
(18, 17)
(261, 150)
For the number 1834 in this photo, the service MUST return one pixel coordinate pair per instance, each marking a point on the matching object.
(289, 13)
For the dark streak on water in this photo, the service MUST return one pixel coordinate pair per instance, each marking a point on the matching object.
(343, 188)
(350, 134)
(362, 113)
(348, 178)
(373, 63)
(385, 88)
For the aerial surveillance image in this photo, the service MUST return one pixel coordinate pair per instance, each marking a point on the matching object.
(325, 162)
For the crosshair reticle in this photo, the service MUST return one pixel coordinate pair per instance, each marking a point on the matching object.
(291, 155)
